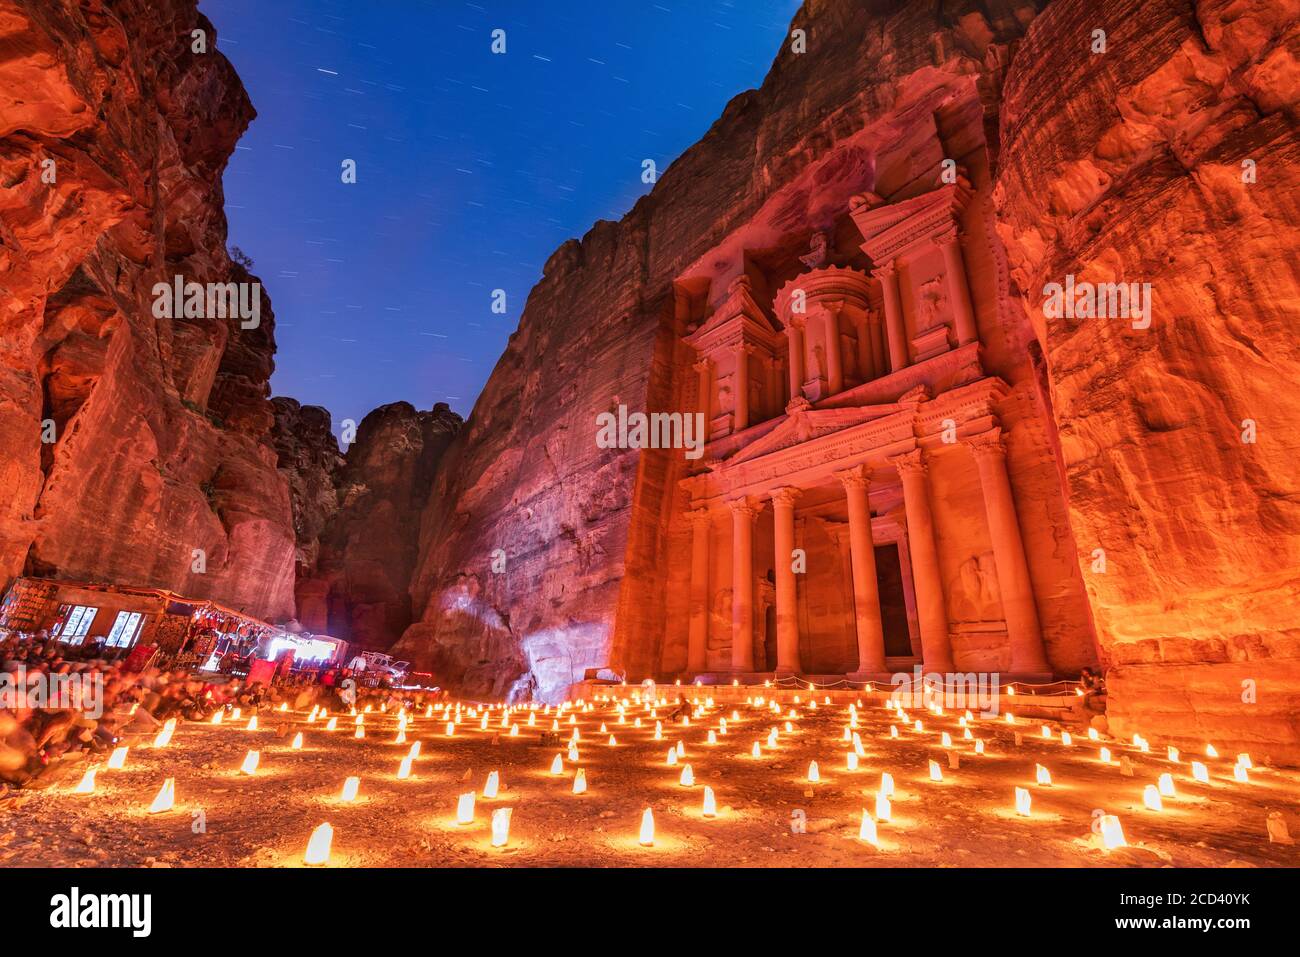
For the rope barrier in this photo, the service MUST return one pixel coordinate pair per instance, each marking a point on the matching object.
(1059, 688)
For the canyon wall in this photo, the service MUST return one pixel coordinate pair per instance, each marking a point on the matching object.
(1171, 445)
(356, 516)
(136, 448)
(1171, 159)
(514, 554)
(143, 450)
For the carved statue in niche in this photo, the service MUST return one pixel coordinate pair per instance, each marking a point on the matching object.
(931, 301)
(817, 254)
(975, 595)
(765, 599)
(726, 399)
(720, 621)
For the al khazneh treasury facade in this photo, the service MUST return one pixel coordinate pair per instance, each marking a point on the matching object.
(877, 490)
(1036, 493)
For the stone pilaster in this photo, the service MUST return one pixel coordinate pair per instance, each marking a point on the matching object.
(895, 329)
(704, 368)
(796, 338)
(834, 362)
(958, 290)
(741, 414)
(1028, 655)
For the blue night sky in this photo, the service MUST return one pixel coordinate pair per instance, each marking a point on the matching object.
(472, 167)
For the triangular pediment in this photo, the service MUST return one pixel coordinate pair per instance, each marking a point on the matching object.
(805, 425)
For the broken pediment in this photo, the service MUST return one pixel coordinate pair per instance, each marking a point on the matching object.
(738, 313)
(892, 229)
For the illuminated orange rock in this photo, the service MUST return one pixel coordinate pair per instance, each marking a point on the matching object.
(554, 556)
(1179, 441)
(115, 136)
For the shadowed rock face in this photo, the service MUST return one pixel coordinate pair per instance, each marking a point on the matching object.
(357, 516)
(114, 138)
(1179, 441)
(309, 457)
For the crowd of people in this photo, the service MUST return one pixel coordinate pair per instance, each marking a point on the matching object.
(36, 733)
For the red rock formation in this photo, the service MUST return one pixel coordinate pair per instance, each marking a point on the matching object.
(1172, 159)
(114, 136)
(308, 456)
(1151, 467)
(357, 517)
(551, 556)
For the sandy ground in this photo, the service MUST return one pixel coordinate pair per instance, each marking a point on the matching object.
(769, 813)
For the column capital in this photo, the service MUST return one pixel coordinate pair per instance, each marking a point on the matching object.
(699, 516)
(786, 496)
(703, 364)
(886, 271)
(798, 321)
(746, 348)
(987, 444)
(857, 477)
(744, 506)
(910, 463)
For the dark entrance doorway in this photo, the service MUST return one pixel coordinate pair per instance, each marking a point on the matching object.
(893, 606)
(769, 639)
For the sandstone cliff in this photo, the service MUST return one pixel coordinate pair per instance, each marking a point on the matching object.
(1174, 443)
(1171, 159)
(357, 515)
(309, 458)
(156, 468)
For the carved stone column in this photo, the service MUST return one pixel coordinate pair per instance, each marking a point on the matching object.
(866, 593)
(1023, 631)
(787, 612)
(894, 326)
(880, 345)
(697, 658)
(705, 369)
(795, 335)
(932, 611)
(958, 290)
(772, 401)
(834, 362)
(742, 584)
(866, 358)
(741, 421)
